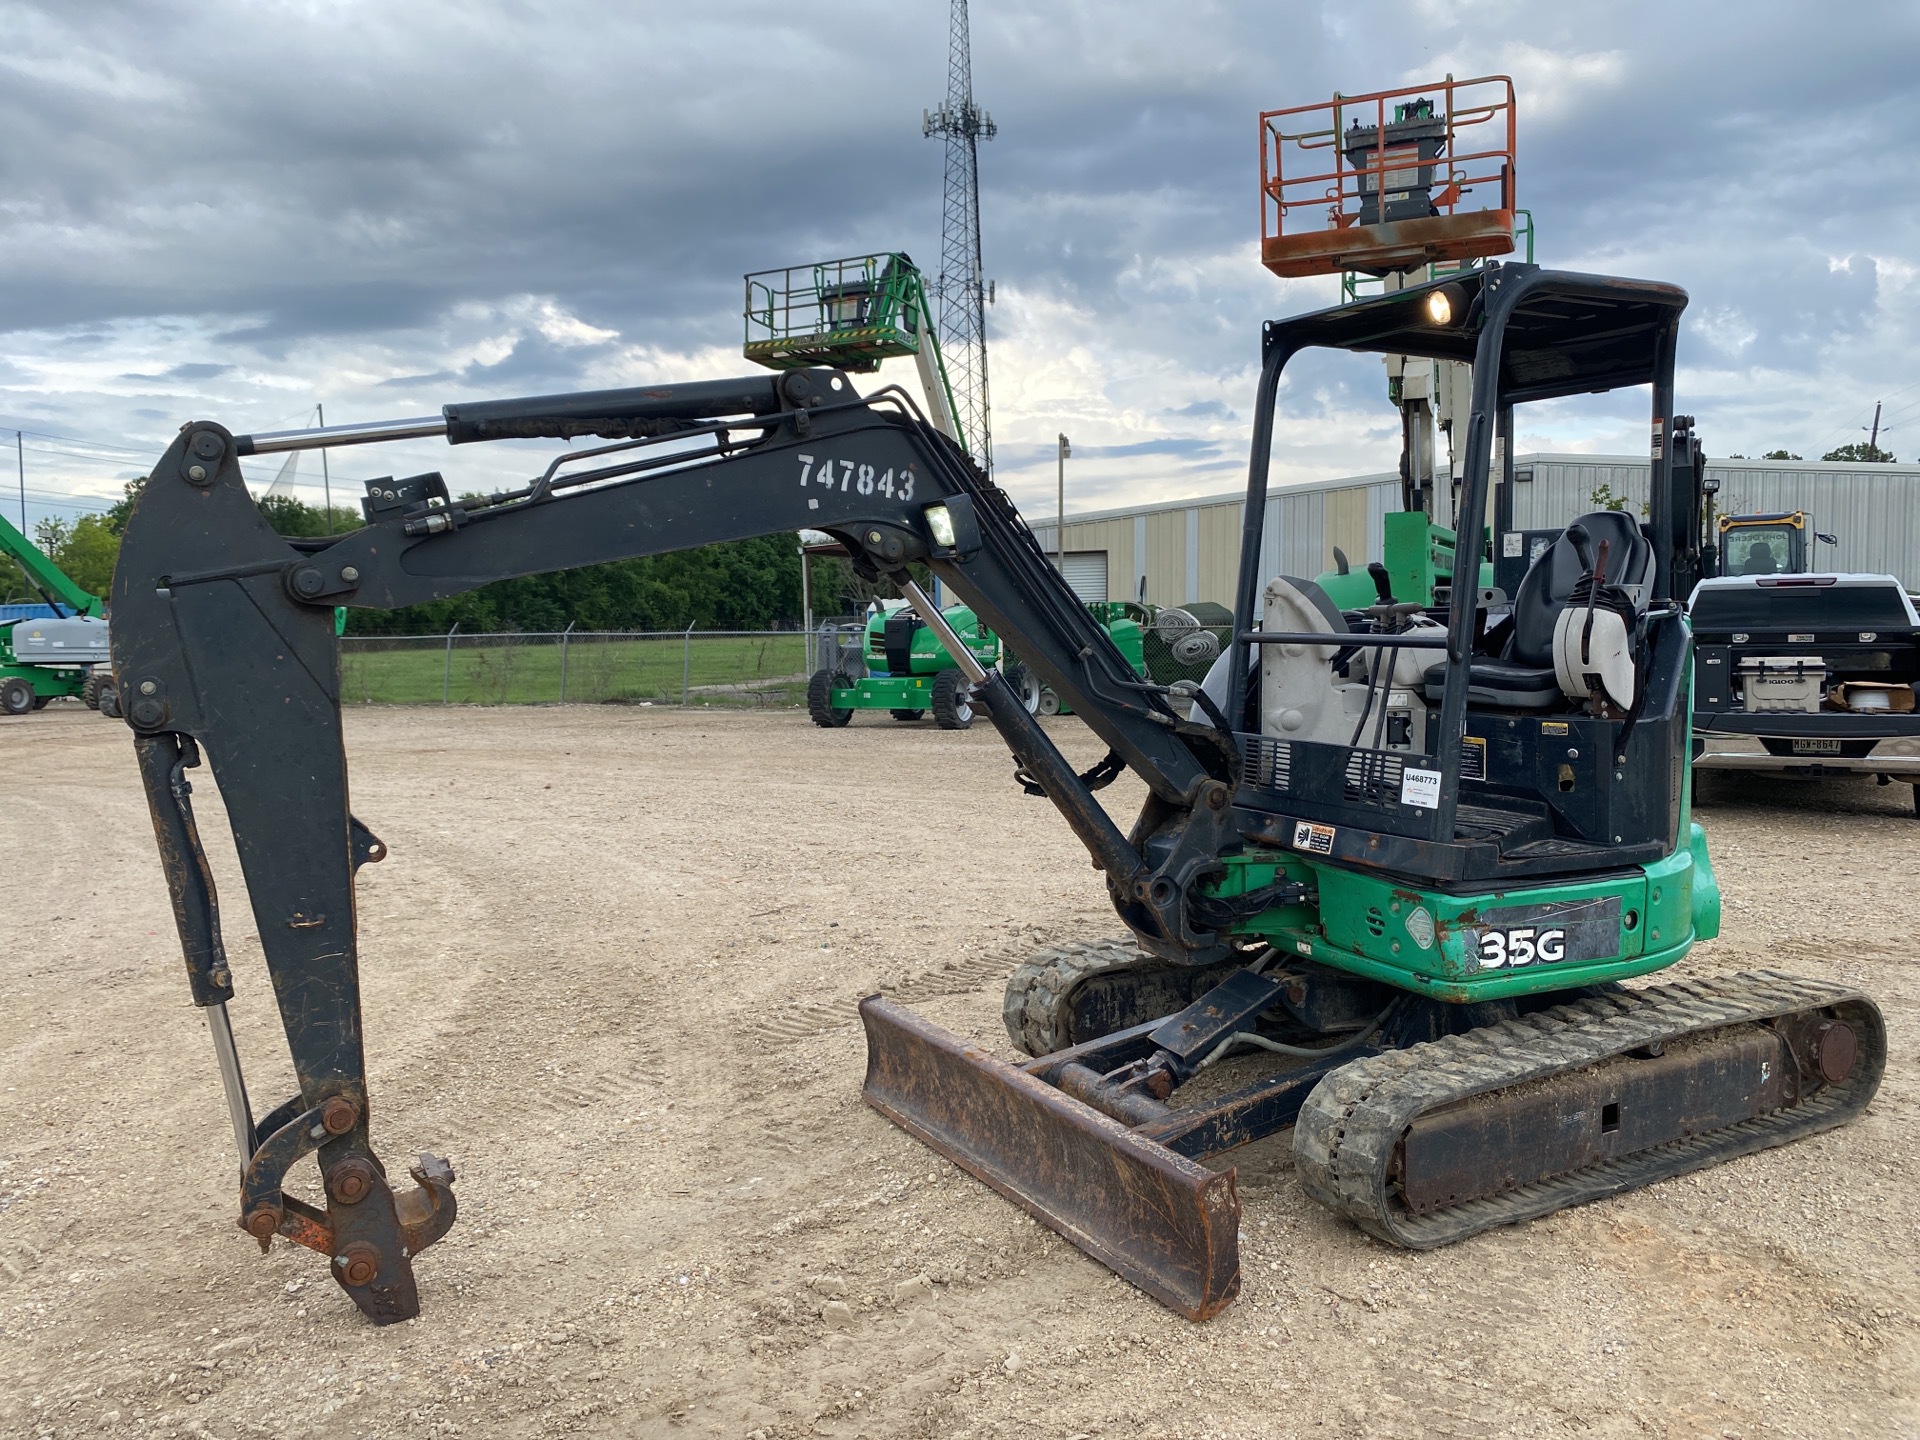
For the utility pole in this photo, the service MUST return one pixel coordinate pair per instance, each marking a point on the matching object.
(1060, 533)
(20, 458)
(961, 287)
(326, 478)
(1873, 440)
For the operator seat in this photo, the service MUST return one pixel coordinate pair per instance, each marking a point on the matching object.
(1760, 560)
(1522, 677)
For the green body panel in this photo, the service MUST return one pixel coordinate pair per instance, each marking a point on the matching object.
(1418, 554)
(1361, 923)
(48, 682)
(885, 692)
(925, 654)
(1351, 591)
(1123, 625)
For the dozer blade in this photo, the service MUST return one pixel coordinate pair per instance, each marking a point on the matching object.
(1155, 1218)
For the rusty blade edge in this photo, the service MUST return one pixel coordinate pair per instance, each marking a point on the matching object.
(1158, 1220)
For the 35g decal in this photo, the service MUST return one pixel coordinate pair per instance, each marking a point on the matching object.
(1522, 945)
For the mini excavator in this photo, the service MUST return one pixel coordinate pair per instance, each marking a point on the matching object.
(1392, 868)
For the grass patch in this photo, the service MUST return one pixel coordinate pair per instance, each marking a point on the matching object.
(500, 670)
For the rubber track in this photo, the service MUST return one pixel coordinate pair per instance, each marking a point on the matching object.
(1035, 1001)
(1351, 1124)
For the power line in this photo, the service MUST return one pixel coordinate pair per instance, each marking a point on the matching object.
(77, 440)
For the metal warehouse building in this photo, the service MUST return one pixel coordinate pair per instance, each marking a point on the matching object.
(1184, 550)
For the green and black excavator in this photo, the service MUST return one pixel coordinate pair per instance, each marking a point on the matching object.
(1391, 871)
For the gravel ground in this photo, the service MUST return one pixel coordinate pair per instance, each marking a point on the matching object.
(610, 969)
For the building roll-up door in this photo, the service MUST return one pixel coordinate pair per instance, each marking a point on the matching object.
(1086, 572)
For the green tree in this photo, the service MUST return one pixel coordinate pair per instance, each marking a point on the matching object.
(743, 585)
(1601, 497)
(300, 521)
(87, 553)
(1861, 451)
(1779, 455)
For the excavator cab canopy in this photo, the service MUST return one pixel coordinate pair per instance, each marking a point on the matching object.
(1568, 334)
(1548, 780)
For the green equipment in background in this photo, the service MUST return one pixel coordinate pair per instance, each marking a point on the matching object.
(51, 659)
(900, 667)
(1417, 568)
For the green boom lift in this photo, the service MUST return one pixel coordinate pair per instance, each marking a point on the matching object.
(42, 659)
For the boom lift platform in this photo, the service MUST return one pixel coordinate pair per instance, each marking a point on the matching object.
(850, 315)
(1419, 932)
(1390, 180)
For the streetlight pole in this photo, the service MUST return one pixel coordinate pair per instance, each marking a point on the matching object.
(326, 477)
(1060, 534)
(20, 458)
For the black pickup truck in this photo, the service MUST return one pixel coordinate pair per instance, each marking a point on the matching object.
(1807, 675)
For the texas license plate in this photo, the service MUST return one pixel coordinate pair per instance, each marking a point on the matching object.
(1816, 747)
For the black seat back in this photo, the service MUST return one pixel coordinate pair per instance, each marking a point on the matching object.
(1551, 578)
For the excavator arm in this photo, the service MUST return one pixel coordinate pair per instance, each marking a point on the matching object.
(224, 644)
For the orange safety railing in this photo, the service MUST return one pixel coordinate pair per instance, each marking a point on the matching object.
(1389, 181)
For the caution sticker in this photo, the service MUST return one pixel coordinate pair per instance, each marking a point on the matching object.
(1473, 758)
(1312, 838)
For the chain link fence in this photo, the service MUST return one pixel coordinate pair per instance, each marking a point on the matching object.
(689, 667)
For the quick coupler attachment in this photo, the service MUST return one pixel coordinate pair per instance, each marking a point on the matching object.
(369, 1231)
(1156, 1218)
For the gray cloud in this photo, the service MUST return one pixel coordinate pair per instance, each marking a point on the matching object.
(219, 207)
(181, 372)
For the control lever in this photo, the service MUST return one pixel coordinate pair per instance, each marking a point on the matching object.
(1381, 585)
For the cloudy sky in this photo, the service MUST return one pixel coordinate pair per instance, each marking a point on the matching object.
(236, 209)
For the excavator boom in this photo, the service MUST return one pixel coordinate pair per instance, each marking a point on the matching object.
(225, 638)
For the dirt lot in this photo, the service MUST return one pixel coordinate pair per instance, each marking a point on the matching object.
(610, 971)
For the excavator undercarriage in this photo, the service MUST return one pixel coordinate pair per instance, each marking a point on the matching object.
(1392, 870)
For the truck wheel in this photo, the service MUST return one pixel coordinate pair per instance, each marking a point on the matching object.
(110, 700)
(90, 689)
(16, 696)
(1049, 702)
(1025, 686)
(40, 701)
(820, 706)
(952, 701)
(906, 714)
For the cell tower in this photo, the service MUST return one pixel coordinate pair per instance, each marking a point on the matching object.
(961, 287)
